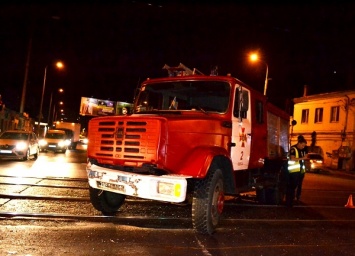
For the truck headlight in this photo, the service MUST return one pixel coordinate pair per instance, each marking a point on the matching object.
(172, 189)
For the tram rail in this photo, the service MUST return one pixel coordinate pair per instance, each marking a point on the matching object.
(137, 210)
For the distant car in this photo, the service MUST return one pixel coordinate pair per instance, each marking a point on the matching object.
(18, 144)
(54, 140)
(315, 162)
(83, 139)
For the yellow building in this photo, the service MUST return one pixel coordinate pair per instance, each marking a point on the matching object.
(327, 123)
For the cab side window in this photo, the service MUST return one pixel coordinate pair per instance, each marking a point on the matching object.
(241, 103)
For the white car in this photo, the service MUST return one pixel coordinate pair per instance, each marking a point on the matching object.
(54, 140)
(18, 144)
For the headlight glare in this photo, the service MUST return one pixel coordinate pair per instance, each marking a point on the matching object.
(42, 142)
(21, 145)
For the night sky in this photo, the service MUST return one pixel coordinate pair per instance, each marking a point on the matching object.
(108, 49)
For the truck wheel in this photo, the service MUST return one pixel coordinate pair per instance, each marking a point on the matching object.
(208, 202)
(106, 202)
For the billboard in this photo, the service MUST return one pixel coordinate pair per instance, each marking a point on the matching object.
(98, 107)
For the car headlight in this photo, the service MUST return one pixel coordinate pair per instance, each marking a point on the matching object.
(62, 143)
(42, 142)
(21, 146)
(67, 142)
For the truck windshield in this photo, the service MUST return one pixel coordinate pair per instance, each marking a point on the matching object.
(207, 96)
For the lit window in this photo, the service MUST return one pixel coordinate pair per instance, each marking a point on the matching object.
(305, 113)
(318, 118)
(334, 114)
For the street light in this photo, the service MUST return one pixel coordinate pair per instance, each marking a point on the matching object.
(255, 57)
(59, 65)
(60, 90)
(54, 116)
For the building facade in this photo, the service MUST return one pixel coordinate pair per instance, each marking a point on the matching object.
(327, 121)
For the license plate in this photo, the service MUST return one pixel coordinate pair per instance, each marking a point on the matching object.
(51, 146)
(5, 151)
(119, 188)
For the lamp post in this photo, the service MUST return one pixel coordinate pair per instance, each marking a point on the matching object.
(54, 116)
(60, 90)
(59, 65)
(255, 57)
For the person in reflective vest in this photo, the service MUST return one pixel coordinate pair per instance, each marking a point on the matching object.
(303, 153)
(294, 170)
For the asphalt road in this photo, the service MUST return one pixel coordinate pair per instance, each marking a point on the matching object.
(319, 225)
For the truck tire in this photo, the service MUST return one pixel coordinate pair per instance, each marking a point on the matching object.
(106, 202)
(208, 202)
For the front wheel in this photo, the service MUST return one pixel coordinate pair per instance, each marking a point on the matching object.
(26, 156)
(35, 156)
(106, 202)
(208, 202)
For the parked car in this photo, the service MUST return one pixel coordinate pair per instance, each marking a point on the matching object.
(19, 144)
(54, 140)
(315, 162)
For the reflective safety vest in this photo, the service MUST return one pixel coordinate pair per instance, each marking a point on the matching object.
(295, 165)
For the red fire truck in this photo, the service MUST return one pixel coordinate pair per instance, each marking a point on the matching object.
(191, 138)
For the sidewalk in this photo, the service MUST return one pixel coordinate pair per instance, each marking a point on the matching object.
(339, 173)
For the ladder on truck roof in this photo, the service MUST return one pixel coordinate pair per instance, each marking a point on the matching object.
(181, 70)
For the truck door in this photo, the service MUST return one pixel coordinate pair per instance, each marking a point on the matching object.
(241, 132)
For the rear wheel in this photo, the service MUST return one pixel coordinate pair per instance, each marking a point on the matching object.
(208, 202)
(106, 202)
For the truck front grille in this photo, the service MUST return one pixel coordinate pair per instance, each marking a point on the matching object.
(127, 140)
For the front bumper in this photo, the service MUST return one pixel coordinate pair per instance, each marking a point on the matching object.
(12, 154)
(53, 147)
(169, 188)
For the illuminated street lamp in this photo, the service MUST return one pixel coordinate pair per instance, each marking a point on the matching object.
(255, 57)
(54, 117)
(60, 90)
(59, 65)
